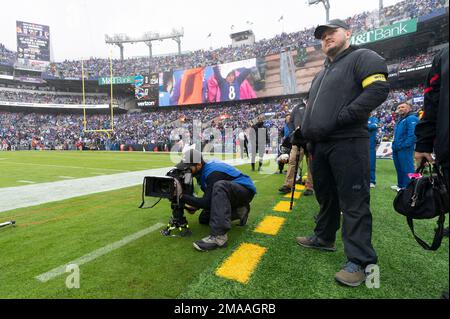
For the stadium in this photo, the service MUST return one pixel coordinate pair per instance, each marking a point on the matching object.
(77, 138)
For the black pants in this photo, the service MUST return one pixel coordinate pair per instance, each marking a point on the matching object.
(243, 146)
(226, 197)
(446, 176)
(341, 171)
(257, 150)
(445, 172)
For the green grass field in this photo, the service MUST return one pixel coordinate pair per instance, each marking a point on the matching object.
(153, 266)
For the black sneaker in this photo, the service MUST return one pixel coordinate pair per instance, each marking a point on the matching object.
(308, 192)
(242, 213)
(314, 242)
(446, 232)
(211, 242)
(284, 190)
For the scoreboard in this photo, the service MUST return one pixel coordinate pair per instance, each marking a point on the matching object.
(146, 88)
(33, 45)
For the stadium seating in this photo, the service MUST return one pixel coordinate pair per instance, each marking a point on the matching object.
(64, 131)
(40, 97)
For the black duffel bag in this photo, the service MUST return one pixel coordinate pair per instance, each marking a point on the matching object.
(425, 197)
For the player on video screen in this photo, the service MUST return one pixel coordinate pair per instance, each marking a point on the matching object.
(230, 87)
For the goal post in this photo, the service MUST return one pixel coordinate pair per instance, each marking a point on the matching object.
(111, 126)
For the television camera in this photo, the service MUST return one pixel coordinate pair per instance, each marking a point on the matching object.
(176, 182)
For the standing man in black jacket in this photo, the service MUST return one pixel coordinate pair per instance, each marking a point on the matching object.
(432, 129)
(343, 94)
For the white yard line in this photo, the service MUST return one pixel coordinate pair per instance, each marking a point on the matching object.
(26, 182)
(97, 253)
(66, 177)
(37, 194)
(64, 166)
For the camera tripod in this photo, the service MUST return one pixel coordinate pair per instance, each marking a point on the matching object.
(177, 223)
(297, 164)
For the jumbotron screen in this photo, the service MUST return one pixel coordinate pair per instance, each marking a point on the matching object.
(286, 73)
(146, 90)
(281, 74)
(234, 81)
(33, 44)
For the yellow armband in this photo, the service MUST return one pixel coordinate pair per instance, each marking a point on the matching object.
(373, 78)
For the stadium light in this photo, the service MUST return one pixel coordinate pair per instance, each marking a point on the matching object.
(380, 10)
(147, 38)
(326, 4)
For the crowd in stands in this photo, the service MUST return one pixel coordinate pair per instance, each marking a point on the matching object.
(7, 56)
(46, 98)
(25, 130)
(411, 9)
(411, 61)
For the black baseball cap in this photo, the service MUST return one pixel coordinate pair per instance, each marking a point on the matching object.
(336, 23)
(190, 158)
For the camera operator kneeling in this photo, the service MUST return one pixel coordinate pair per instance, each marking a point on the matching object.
(227, 195)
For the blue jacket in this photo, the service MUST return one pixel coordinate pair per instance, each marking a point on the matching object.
(218, 166)
(404, 136)
(286, 130)
(372, 125)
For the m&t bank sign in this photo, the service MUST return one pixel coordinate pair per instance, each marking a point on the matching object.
(391, 31)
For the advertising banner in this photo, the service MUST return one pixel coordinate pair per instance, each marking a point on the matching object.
(384, 150)
(116, 80)
(391, 31)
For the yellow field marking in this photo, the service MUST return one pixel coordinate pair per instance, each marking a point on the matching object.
(283, 207)
(296, 195)
(300, 187)
(271, 225)
(242, 263)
